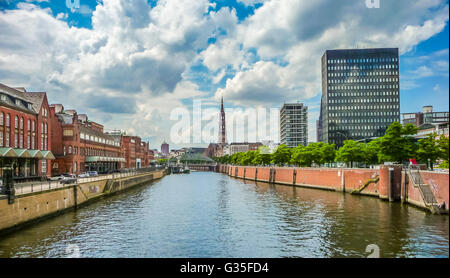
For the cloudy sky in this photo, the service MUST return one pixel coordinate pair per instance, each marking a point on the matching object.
(129, 63)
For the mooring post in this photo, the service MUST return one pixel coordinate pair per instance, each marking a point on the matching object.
(391, 185)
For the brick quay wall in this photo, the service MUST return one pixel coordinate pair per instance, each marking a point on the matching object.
(36, 206)
(386, 182)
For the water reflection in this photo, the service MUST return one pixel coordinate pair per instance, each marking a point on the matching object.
(213, 215)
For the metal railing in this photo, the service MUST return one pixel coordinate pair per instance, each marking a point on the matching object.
(30, 187)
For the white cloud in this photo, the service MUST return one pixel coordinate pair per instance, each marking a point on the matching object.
(141, 55)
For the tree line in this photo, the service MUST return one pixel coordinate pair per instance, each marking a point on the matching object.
(398, 145)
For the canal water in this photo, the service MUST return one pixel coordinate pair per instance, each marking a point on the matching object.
(205, 214)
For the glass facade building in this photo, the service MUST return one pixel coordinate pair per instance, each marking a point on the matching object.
(360, 94)
(294, 124)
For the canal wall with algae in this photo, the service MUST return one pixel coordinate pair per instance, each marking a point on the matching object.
(388, 182)
(32, 207)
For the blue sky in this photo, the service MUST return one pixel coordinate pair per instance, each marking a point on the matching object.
(128, 64)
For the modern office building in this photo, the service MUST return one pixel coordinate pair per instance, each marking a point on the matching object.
(165, 148)
(427, 116)
(294, 124)
(360, 94)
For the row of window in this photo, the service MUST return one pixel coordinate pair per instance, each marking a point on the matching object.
(362, 73)
(361, 80)
(364, 67)
(360, 121)
(355, 134)
(351, 127)
(363, 60)
(5, 138)
(99, 140)
(364, 107)
(355, 114)
(367, 87)
(364, 100)
(88, 151)
(363, 94)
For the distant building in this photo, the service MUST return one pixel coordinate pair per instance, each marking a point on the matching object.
(360, 94)
(165, 148)
(294, 124)
(427, 129)
(427, 116)
(244, 147)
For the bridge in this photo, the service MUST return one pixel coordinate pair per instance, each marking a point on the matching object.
(203, 167)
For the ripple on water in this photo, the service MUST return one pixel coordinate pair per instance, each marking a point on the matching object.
(213, 215)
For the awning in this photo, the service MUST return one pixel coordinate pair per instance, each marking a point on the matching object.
(48, 155)
(22, 153)
(36, 154)
(7, 152)
(25, 153)
(104, 159)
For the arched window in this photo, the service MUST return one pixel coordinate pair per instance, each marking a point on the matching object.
(21, 122)
(8, 120)
(70, 149)
(16, 122)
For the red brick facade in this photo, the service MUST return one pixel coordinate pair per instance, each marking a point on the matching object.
(80, 145)
(137, 153)
(24, 124)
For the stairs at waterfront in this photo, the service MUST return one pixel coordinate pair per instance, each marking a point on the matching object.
(427, 195)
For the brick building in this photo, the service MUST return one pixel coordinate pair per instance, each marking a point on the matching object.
(81, 145)
(24, 133)
(137, 153)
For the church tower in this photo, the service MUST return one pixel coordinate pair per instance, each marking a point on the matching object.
(222, 132)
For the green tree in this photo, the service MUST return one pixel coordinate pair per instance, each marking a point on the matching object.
(298, 156)
(371, 151)
(282, 155)
(262, 156)
(327, 152)
(443, 143)
(162, 161)
(428, 150)
(398, 144)
(350, 152)
(248, 157)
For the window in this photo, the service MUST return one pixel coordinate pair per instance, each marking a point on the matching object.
(16, 122)
(2, 115)
(21, 123)
(70, 149)
(44, 166)
(67, 132)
